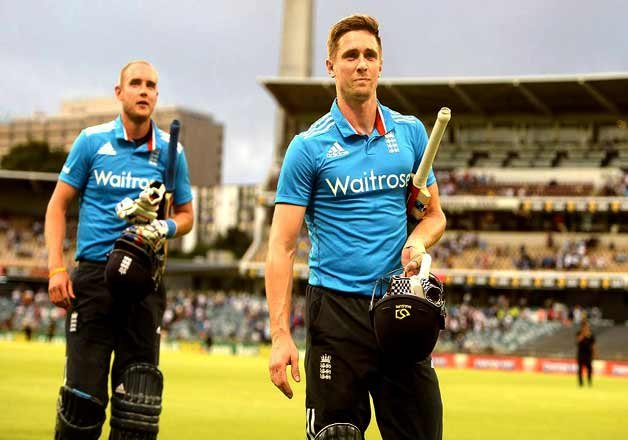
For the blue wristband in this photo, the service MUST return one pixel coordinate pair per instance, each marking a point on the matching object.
(172, 227)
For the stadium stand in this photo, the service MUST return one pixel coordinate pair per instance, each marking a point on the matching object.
(237, 317)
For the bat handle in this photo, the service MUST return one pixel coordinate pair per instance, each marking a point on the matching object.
(175, 126)
(444, 115)
(426, 266)
(413, 194)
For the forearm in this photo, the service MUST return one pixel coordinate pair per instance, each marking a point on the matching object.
(183, 216)
(54, 233)
(184, 221)
(279, 277)
(429, 230)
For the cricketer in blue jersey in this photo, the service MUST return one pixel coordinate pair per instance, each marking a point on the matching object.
(107, 164)
(347, 176)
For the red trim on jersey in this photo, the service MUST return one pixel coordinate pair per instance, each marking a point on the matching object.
(151, 140)
(379, 123)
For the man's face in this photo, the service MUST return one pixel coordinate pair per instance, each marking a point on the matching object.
(138, 92)
(356, 65)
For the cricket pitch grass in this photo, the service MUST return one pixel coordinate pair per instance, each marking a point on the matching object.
(231, 398)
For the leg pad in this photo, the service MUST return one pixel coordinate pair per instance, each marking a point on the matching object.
(80, 416)
(339, 431)
(136, 403)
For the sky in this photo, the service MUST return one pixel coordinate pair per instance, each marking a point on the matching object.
(210, 54)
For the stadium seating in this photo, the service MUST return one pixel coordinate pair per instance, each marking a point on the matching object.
(22, 247)
(232, 317)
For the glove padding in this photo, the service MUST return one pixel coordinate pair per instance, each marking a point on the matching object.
(154, 234)
(143, 209)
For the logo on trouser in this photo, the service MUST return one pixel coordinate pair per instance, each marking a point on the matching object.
(325, 367)
(73, 322)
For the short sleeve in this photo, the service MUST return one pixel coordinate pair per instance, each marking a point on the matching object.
(182, 190)
(75, 171)
(296, 178)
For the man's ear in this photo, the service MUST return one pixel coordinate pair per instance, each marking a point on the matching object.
(330, 68)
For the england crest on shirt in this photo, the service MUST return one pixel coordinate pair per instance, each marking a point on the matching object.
(391, 142)
(154, 157)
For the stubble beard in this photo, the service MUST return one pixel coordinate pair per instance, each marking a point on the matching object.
(136, 118)
(359, 95)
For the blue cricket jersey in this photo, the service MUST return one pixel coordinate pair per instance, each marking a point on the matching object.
(354, 188)
(106, 166)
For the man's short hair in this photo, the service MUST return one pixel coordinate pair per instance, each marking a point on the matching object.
(131, 63)
(355, 22)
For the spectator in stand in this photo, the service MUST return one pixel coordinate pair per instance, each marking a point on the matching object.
(586, 351)
(525, 261)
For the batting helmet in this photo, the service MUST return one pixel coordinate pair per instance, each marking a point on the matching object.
(408, 318)
(133, 267)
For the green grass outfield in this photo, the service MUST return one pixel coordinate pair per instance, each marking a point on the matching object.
(224, 397)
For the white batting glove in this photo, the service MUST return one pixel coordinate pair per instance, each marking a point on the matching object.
(150, 235)
(143, 209)
(162, 227)
(151, 195)
(134, 213)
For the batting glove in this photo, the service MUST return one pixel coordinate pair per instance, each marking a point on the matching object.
(155, 233)
(143, 209)
(166, 227)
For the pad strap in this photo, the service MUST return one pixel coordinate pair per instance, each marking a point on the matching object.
(339, 431)
(80, 416)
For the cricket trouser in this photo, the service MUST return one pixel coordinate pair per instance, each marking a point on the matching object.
(96, 326)
(343, 366)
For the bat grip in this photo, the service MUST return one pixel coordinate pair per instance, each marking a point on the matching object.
(412, 196)
(426, 266)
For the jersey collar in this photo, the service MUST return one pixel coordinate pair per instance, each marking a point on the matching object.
(121, 134)
(383, 120)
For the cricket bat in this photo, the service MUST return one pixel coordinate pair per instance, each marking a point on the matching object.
(418, 195)
(165, 210)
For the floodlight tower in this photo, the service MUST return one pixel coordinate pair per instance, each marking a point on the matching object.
(295, 61)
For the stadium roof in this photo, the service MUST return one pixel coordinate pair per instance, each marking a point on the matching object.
(545, 95)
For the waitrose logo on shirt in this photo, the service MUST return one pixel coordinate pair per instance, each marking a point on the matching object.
(368, 182)
(123, 180)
